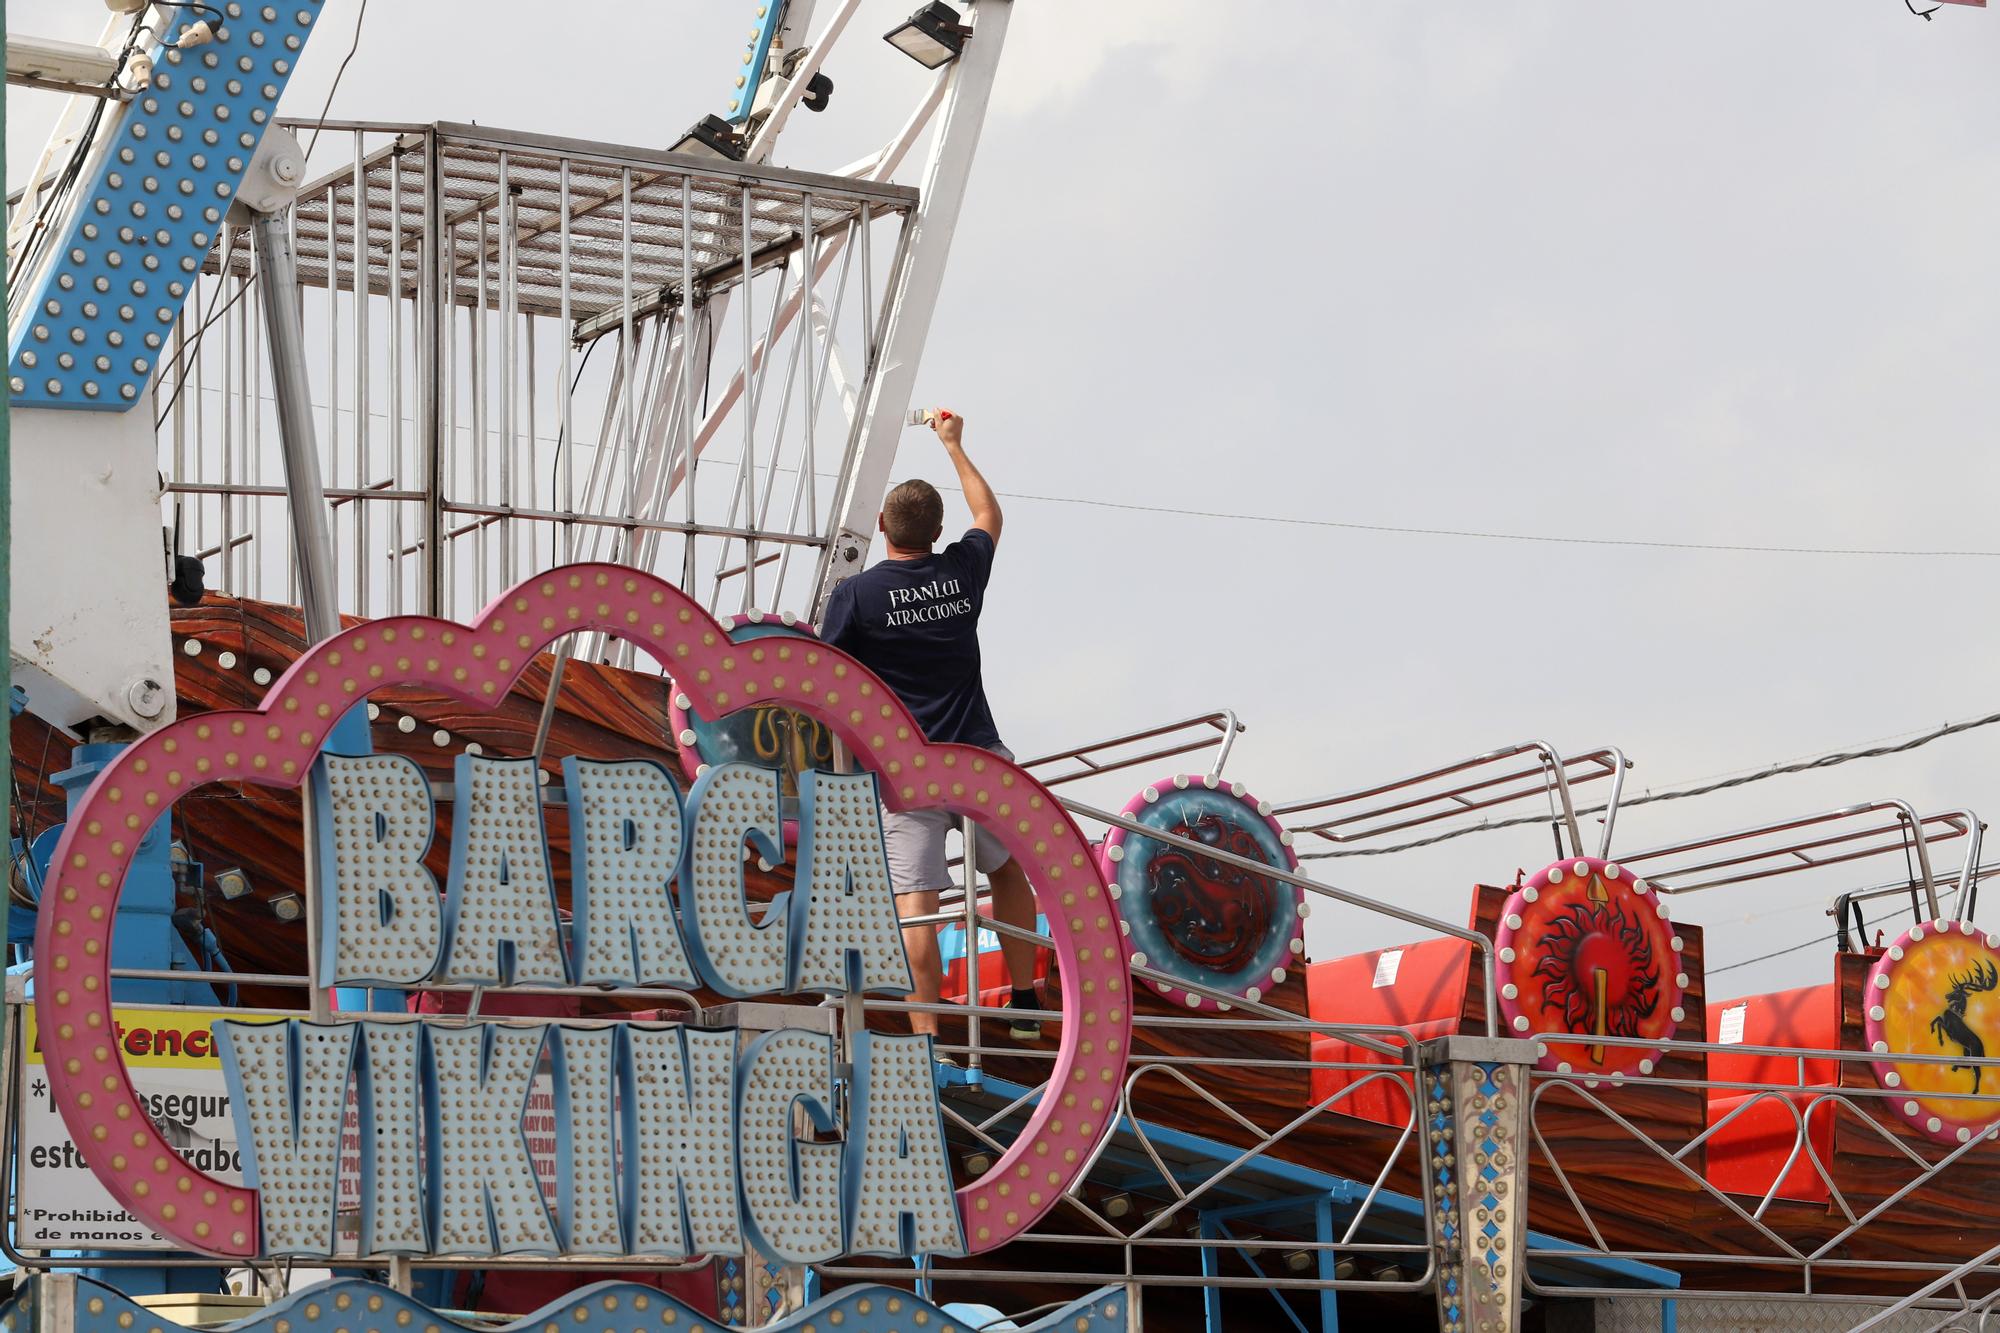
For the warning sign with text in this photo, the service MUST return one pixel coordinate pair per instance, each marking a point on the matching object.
(170, 1054)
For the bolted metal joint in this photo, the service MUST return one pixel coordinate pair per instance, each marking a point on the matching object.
(146, 697)
(274, 175)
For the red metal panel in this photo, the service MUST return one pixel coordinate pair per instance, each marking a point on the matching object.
(1746, 1154)
(1808, 1017)
(1429, 985)
(1422, 989)
(1385, 1101)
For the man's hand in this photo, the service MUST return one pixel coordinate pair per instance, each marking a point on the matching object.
(950, 428)
(979, 497)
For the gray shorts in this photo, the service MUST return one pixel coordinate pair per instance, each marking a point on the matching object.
(916, 845)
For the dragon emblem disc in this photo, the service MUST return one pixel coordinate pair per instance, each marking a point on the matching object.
(769, 735)
(1936, 992)
(1585, 947)
(1192, 916)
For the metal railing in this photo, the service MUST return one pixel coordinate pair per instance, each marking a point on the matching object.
(1806, 1246)
(1828, 838)
(539, 350)
(1143, 747)
(1812, 842)
(1453, 791)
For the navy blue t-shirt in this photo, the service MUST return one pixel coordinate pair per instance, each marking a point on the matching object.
(915, 623)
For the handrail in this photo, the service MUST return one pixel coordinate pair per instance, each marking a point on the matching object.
(1550, 773)
(1965, 904)
(1796, 854)
(1094, 762)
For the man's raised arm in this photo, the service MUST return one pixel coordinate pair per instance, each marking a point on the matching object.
(979, 497)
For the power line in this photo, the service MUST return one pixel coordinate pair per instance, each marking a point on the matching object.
(1767, 957)
(1751, 768)
(1830, 760)
(1482, 535)
(326, 106)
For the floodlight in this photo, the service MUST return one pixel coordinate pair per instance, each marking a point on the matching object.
(1118, 1205)
(932, 36)
(51, 61)
(712, 136)
(288, 907)
(232, 884)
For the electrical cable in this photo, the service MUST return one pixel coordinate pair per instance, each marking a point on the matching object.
(555, 460)
(24, 826)
(1767, 957)
(188, 350)
(1483, 535)
(326, 106)
(39, 231)
(41, 775)
(1829, 760)
(216, 961)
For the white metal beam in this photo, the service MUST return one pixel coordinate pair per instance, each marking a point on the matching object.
(87, 612)
(913, 300)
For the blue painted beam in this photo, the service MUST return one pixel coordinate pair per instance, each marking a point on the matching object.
(128, 253)
(756, 55)
(602, 1307)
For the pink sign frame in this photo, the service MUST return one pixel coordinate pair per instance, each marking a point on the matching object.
(275, 744)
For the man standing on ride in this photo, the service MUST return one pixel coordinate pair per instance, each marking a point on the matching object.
(913, 619)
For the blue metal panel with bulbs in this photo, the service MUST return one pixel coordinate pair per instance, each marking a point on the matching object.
(613, 1306)
(136, 236)
(743, 98)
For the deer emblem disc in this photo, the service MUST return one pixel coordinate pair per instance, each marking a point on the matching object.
(1936, 992)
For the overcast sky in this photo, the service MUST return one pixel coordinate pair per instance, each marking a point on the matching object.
(1692, 273)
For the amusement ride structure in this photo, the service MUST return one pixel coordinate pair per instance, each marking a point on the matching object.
(472, 505)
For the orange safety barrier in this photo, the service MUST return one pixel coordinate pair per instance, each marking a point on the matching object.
(1746, 1154)
(1417, 986)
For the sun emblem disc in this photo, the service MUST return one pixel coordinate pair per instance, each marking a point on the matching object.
(1585, 947)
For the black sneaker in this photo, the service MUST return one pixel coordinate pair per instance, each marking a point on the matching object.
(1021, 1028)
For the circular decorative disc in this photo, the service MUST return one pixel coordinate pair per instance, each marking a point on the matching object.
(1585, 947)
(1193, 917)
(1936, 991)
(771, 735)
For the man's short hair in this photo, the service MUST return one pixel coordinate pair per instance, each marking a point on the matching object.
(913, 515)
